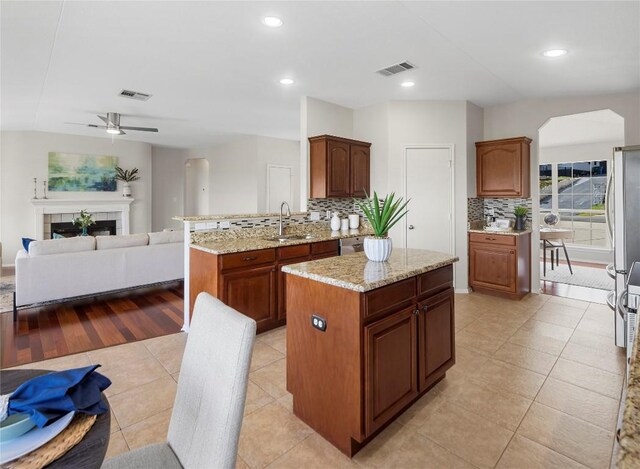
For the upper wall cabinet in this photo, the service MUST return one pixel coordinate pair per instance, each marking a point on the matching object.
(503, 168)
(339, 167)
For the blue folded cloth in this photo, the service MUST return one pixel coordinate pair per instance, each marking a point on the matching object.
(48, 397)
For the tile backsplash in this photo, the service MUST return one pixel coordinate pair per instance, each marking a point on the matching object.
(478, 208)
(344, 206)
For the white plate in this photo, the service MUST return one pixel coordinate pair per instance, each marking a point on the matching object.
(13, 449)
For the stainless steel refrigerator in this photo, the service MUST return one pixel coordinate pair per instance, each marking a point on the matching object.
(623, 220)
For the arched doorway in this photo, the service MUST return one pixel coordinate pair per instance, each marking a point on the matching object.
(575, 154)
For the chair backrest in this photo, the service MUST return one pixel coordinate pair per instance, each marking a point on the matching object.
(212, 387)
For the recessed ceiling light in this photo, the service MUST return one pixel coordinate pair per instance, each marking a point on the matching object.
(407, 84)
(272, 21)
(555, 53)
(286, 81)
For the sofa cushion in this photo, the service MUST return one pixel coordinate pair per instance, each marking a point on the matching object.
(121, 241)
(165, 237)
(61, 246)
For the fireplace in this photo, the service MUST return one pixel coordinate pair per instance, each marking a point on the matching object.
(69, 230)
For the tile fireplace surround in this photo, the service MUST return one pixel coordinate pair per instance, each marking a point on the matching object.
(48, 210)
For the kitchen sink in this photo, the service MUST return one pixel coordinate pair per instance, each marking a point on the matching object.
(285, 238)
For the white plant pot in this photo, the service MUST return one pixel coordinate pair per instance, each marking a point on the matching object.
(377, 249)
(126, 189)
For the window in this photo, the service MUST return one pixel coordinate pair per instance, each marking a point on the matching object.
(576, 191)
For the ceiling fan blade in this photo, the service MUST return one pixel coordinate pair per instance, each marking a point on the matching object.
(121, 132)
(142, 129)
(87, 125)
(104, 119)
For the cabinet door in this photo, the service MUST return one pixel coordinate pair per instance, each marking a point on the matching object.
(390, 367)
(360, 161)
(492, 266)
(499, 170)
(282, 286)
(436, 340)
(337, 169)
(252, 292)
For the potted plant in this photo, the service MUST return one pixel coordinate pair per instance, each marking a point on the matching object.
(126, 176)
(382, 217)
(84, 221)
(521, 217)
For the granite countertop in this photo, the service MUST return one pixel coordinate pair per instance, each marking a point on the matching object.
(233, 216)
(355, 272)
(232, 244)
(629, 454)
(508, 233)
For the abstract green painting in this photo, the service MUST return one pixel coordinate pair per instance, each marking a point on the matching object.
(82, 173)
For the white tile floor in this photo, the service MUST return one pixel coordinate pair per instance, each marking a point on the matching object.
(537, 384)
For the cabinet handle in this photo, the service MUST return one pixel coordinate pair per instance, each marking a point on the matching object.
(425, 308)
(512, 252)
(250, 258)
(416, 312)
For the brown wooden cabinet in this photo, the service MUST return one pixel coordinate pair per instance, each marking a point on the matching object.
(381, 351)
(252, 291)
(252, 282)
(391, 362)
(339, 167)
(500, 264)
(503, 168)
(437, 337)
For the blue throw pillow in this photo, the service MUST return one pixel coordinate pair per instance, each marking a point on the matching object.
(26, 242)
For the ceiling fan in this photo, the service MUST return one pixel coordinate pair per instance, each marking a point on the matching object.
(112, 121)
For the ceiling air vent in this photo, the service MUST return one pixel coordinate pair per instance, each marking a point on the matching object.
(134, 95)
(397, 68)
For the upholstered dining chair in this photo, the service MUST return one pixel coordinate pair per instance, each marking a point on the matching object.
(212, 387)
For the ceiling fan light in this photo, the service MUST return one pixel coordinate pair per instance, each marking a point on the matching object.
(113, 131)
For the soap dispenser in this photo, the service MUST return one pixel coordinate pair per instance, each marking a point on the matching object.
(335, 222)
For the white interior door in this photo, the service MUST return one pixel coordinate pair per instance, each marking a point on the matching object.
(279, 187)
(429, 185)
(196, 187)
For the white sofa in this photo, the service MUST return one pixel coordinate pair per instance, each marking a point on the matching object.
(56, 269)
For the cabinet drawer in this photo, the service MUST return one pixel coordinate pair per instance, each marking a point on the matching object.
(391, 297)
(505, 240)
(435, 281)
(248, 258)
(325, 247)
(291, 252)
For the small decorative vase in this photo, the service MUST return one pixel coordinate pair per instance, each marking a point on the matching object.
(377, 249)
(520, 223)
(84, 231)
(126, 190)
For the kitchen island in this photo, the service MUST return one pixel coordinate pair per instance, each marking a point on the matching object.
(366, 339)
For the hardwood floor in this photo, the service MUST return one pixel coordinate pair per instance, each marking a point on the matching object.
(78, 326)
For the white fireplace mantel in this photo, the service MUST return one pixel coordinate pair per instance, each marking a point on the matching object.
(52, 206)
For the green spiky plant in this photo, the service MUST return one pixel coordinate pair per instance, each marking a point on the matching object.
(383, 216)
(520, 211)
(127, 175)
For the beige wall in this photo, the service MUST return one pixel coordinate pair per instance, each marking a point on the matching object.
(237, 176)
(24, 155)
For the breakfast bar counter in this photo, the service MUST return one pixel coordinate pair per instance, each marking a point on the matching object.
(366, 339)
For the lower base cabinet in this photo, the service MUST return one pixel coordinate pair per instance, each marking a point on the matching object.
(500, 264)
(380, 352)
(251, 282)
(391, 381)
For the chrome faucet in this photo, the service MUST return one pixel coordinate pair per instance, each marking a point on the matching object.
(280, 226)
